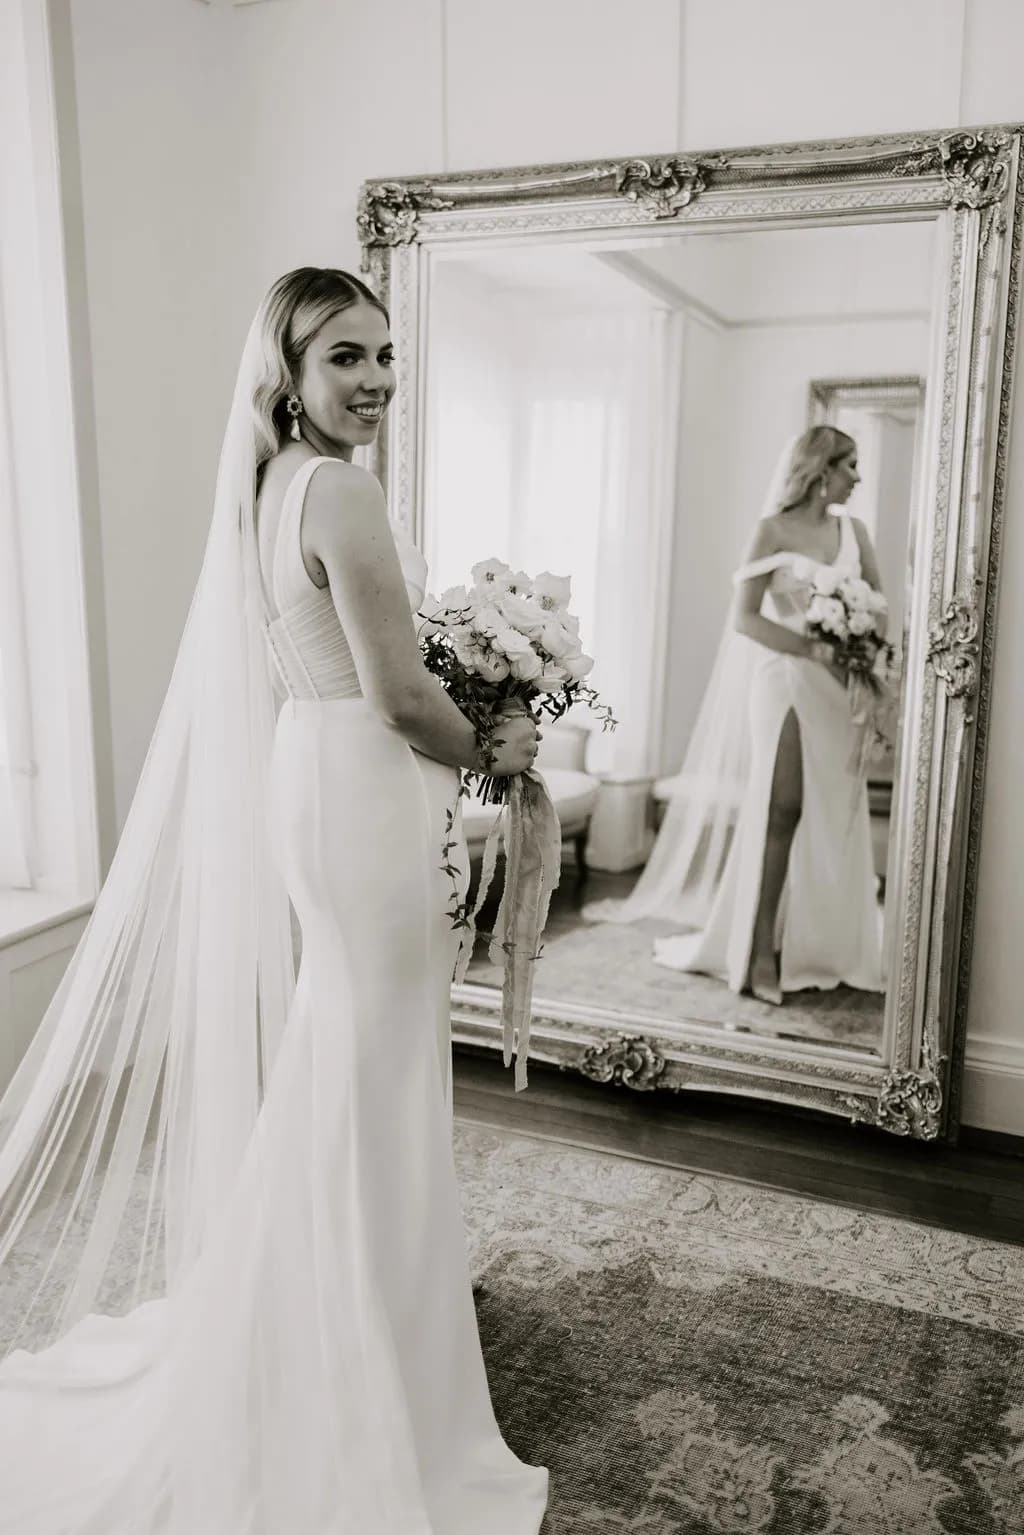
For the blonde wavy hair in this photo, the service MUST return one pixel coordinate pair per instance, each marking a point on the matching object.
(298, 304)
(813, 455)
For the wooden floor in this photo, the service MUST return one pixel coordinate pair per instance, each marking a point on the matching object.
(969, 1188)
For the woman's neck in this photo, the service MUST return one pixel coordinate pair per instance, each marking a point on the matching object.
(809, 511)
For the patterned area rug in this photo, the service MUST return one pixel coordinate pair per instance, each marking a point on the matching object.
(611, 965)
(695, 1356)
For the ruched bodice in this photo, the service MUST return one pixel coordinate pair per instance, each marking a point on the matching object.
(308, 645)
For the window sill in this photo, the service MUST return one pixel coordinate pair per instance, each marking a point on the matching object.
(23, 913)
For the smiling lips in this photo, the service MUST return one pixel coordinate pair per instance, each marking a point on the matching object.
(368, 412)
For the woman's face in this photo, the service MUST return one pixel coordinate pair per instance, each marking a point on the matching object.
(843, 478)
(347, 380)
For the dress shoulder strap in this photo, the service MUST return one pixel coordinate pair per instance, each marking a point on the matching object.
(849, 543)
(288, 567)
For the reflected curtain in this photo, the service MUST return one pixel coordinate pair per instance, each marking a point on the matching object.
(16, 767)
(580, 415)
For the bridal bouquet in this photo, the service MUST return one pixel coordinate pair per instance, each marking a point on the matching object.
(847, 613)
(509, 642)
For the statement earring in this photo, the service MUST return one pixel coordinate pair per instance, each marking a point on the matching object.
(294, 407)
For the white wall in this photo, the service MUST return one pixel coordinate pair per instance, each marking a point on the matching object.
(221, 145)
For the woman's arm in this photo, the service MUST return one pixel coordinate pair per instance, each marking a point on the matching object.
(346, 527)
(869, 567)
(747, 617)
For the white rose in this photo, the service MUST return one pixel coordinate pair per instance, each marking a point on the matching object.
(527, 667)
(826, 581)
(861, 621)
(487, 620)
(856, 594)
(552, 678)
(456, 597)
(830, 614)
(877, 602)
(495, 668)
(511, 643)
(578, 667)
(522, 613)
(558, 642)
(491, 578)
(552, 592)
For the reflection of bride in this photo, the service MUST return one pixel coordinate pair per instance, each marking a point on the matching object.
(766, 845)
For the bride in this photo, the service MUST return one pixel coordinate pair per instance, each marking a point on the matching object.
(231, 1246)
(765, 848)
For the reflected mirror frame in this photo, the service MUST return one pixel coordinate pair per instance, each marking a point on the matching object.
(968, 181)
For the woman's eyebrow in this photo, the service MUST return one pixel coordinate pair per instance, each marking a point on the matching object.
(357, 346)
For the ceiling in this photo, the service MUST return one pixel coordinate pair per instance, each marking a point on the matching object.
(761, 277)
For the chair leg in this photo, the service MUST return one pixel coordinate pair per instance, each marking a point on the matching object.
(579, 843)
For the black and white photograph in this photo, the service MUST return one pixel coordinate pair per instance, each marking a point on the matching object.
(511, 601)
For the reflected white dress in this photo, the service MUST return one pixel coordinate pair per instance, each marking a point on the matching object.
(828, 928)
(320, 1373)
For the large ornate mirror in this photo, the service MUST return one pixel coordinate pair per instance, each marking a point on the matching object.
(609, 371)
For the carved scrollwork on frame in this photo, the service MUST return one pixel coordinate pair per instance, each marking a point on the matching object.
(976, 167)
(628, 1061)
(662, 186)
(389, 212)
(909, 1103)
(953, 647)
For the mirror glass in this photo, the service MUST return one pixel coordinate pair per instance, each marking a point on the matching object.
(628, 414)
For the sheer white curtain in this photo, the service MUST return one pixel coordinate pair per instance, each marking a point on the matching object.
(580, 415)
(16, 767)
(596, 495)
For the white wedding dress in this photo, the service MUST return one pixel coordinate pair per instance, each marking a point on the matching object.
(828, 928)
(320, 1371)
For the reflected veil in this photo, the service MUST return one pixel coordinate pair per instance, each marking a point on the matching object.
(682, 873)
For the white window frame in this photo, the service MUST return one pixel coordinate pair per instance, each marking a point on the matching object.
(46, 326)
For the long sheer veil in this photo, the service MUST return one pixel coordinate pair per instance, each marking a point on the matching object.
(127, 1119)
(685, 865)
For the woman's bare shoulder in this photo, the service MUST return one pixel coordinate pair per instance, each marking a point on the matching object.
(765, 539)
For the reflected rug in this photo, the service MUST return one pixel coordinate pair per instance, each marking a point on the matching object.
(611, 965)
(695, 1356)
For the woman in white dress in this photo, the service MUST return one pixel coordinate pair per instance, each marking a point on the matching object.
(766, 846)
(238, 1184)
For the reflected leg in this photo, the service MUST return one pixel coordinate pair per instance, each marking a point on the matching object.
(783, 818)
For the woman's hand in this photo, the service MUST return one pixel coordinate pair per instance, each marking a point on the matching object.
(514, 743)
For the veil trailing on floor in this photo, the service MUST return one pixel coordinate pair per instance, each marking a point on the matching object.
(126, 1122)
(686, 863)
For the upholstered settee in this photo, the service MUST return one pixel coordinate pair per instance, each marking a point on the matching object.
(573, 792)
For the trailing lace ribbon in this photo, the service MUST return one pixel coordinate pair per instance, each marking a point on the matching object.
(869, 707)
(533, 859)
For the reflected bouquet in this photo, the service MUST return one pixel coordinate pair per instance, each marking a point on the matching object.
(847, 614)
(506, 642)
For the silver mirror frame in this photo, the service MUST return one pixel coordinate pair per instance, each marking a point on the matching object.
(968, 180)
